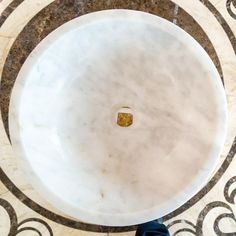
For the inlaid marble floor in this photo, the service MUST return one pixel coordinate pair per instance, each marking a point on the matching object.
(24, 23)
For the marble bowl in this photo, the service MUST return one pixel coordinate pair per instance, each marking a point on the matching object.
(118, 117)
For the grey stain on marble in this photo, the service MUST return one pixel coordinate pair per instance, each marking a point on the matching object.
(102, 194)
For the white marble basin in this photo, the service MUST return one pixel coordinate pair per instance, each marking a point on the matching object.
(102, 67)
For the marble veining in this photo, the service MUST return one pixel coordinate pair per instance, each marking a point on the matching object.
(63, 117)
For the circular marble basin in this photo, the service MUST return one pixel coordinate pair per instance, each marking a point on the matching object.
(119, 117)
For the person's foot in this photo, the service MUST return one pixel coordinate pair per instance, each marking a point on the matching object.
(155, 227)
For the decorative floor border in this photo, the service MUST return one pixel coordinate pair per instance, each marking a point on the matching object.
(196, 228)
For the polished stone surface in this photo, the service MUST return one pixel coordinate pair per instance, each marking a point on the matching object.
(59, 12)
(179, 117)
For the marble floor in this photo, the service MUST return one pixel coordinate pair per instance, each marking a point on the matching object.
(24, 23)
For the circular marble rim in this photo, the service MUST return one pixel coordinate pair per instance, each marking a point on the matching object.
(107, 219)
(52, 9)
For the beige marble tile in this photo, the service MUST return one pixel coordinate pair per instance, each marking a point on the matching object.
(215, 2)
(24, 213)
(10, 30)
(16, 22)
(18, 18)
(221, 7)
(5, 220)
(209, 24)
(122, 234)
(4, 4)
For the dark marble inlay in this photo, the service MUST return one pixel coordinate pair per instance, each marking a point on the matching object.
(11, 214)
(61, 11)
(197, 229)
(229, 5)
(229, 197)
(222, 22)
(210, 184)
(10, 8)
(15, 227)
